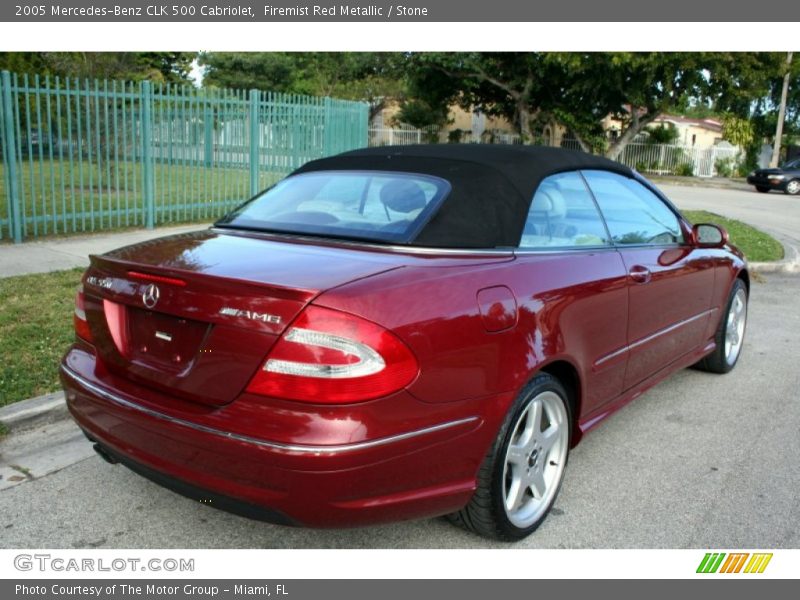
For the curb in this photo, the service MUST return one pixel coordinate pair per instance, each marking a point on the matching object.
(34, 412)
(711, 182)
(790, 263)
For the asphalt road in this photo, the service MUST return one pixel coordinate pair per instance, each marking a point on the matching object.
(775, 212)
(700, 461)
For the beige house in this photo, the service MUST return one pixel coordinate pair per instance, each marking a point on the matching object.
(702, 133)
(699, 133)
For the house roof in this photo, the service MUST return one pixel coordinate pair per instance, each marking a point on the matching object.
(492, 185)
(708, 123)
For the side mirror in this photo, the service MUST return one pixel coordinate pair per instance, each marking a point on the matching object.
(708, 235)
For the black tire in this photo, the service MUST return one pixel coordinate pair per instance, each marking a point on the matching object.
(486, 514)
(717, 361)
(762, 188)
(792, 187)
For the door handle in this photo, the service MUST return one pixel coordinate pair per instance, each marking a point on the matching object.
(640, 274)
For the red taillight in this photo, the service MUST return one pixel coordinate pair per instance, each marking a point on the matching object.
(79, 318)
(328, 356)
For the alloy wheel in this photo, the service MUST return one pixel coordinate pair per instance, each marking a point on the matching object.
(734, 327)
(535, 459)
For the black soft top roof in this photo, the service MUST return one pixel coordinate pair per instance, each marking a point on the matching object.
(492, 185)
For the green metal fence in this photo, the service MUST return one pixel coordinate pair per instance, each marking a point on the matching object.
(82, 156)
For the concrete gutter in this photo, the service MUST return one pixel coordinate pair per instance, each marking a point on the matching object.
(34, 412)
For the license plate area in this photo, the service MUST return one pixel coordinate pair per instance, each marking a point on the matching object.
(162, 341)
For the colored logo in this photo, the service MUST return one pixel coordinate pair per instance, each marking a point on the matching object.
(735, 562)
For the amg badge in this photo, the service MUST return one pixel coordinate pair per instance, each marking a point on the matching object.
(250, 314)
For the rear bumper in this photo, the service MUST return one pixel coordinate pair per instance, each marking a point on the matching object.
(415, 472)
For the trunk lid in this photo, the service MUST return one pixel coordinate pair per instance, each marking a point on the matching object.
(194, 315)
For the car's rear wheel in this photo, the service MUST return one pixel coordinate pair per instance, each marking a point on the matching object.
(522, 474)
(793, 187)
(730, 333)
(762, 188)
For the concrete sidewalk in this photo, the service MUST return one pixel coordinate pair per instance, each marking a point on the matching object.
(68, 252)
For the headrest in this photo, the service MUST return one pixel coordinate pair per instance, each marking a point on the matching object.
(403, 196)
(549, 201)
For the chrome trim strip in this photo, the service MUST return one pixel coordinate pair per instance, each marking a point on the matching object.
(652, 336)
(305, 449)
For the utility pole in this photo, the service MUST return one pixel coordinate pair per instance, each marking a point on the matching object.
(776, 147)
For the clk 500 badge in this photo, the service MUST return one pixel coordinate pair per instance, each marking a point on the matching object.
(101, 282)
(250, 314)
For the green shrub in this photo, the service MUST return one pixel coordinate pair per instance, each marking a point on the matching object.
(724, 166)
(666, 133)
(454, 137)
(685, 170)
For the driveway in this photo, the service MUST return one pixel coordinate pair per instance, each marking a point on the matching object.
(700, 461)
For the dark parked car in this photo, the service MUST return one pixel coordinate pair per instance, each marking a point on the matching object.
(786, 178)
(399, 332)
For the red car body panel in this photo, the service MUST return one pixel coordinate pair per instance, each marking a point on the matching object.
(480, 325)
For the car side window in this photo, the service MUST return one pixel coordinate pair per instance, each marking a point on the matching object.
(633, 214)
(563, 215)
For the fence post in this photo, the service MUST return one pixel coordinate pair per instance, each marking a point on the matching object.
(10, 159)
(255, 102)
(328, 132)
(208, 135)
(147, 155)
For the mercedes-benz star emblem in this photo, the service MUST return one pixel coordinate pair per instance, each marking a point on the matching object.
(150, 295)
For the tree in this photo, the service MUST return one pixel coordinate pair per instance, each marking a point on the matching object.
(749, 86)
(573, 90)
(739, 132)
(372, 77)
(634, 88)
(165, 67)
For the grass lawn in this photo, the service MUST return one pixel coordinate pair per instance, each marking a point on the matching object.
(35, 330)
(756, 245)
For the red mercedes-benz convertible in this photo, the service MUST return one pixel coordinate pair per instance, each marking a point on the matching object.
(399, 332)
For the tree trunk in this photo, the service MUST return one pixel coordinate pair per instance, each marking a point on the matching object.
(635, 127)
(776, 147)
(526, 123)
(582, 143)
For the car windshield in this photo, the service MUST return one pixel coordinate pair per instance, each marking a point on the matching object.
(366, 205)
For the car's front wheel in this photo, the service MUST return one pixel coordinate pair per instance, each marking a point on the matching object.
(762, 188)
(730, 332)
(522, 474)
(793, 187)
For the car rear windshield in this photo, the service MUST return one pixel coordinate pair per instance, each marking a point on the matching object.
(376, 206)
